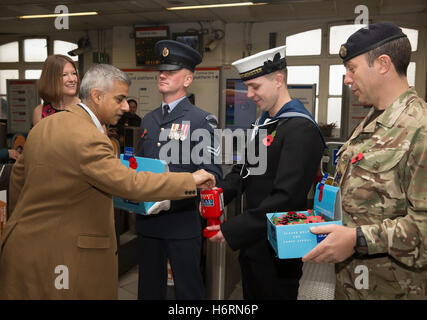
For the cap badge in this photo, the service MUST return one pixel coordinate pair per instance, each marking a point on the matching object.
(165, 52)
(343, 51)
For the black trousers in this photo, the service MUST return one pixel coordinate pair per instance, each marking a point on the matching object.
(184, 256)
(270, 278)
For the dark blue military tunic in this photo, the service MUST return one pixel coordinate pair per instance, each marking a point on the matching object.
(183, 219)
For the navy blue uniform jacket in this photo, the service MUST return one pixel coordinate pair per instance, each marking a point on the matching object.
(292, 161)
(182, 220)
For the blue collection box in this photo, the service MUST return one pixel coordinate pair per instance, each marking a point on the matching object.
(144, 164)
(296, 240)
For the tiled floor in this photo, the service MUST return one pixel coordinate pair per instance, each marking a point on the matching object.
(128, 287)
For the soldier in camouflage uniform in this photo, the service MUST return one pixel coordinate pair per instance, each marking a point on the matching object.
(382, 173)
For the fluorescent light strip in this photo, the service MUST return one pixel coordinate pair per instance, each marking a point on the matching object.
(54, 15)
(220, 5)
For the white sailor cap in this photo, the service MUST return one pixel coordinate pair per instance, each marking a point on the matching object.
(261, 63)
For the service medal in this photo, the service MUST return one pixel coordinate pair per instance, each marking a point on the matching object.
(177, 131)
(184, 131)
(173, 131)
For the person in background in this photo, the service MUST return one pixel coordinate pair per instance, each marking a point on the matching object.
(60, 241)
(9, 154)
(294, 147)
(129, 119)
(175, 232)
(381, 249)
(58, 86)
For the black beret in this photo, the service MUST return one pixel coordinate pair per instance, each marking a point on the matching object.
(369, 38)
(175, 55)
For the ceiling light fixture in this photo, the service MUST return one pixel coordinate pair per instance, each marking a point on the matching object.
(54, 15)
(220, 5)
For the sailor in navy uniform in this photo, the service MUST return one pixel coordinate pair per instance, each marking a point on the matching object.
(175, 232)
(294, 149)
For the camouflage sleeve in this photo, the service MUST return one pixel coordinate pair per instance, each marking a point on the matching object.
(405, 238)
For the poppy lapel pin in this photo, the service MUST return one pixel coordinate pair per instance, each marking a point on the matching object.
(268, 140)
(144, 134)
(357, 158)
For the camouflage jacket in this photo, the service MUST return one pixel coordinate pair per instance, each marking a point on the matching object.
(382, 173)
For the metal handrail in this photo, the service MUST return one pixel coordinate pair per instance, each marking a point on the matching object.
(340, 143)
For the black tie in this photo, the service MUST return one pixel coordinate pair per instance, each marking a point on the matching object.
(165, 111)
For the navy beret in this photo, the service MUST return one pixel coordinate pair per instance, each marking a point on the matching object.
(369, 38)
(175, 55)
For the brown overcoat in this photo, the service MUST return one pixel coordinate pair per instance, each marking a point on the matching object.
(60, 241)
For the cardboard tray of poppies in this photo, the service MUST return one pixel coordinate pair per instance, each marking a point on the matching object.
(289, 232)
(131, 161)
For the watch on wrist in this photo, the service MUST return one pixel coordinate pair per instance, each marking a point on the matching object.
(361, 246)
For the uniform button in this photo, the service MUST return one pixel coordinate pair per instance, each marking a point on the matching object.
(376, 165)
(159, 144)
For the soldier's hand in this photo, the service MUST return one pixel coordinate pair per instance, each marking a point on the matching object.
(336, 247)
(203, 179)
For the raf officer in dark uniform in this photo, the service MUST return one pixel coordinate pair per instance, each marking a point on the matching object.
(173, 230)
(294, 148)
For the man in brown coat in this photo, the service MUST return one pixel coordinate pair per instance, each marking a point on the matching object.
(60, 240)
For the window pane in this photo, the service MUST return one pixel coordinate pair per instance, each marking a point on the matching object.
(412, 36)
(9, 52)
(33, 74)
(336, 72)
(7, 74)
(334, 111)
(35, 50)
(62, 47)
(304, 43)
(339, 35)
(317, 110)
(304, 75)
(411, 73)
(3, 107)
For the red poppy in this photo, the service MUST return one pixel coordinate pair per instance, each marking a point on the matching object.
(301, 216)
(357, 158)
(267, 141)
(132, 163)
(315, 219)
(144, 133)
